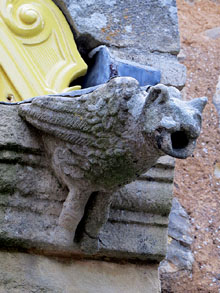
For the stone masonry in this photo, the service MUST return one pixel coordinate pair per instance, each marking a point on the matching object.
(143, 33)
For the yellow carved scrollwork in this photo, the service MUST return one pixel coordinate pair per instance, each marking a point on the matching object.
(38, 54)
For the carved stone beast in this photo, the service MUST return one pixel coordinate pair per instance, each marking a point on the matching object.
(105, 139)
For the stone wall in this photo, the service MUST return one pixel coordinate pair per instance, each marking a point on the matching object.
(143, 33)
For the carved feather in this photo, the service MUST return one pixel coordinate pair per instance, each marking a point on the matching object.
(79, 120)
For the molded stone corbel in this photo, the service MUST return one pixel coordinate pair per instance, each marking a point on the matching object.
(62, 150)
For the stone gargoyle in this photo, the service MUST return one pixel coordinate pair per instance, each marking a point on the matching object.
(105, 139)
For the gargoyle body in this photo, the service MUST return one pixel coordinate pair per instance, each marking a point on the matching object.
(107, 138)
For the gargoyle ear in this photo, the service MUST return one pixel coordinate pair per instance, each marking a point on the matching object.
(158, 93)
(199, 103)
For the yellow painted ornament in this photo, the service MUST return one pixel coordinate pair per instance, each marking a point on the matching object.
(38, 55)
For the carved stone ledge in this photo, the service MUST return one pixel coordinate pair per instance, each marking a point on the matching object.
(33, 195)
(138, 218)
(31, 200)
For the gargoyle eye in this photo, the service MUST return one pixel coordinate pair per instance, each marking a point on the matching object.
(162, 101)
(147, 88)
(197, 117)
(155, 94)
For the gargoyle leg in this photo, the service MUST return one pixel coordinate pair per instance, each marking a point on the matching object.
(94, 220)
(98, 213)
(71, 214)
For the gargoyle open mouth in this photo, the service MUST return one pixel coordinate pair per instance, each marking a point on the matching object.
(177, 144)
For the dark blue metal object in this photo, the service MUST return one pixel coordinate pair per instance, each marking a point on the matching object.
(104, 67)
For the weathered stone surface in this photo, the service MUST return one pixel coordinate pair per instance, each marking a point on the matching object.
(32, 194)
(106, 139)
(181, 56)
(179, 225)
(145, 32)
(217, 170)
(213, 33)
(216, 99)
(179, 255)
(28, 273)
(172, 72)
(177, 265)
(120, 24)
(31, 199)
(137, 223)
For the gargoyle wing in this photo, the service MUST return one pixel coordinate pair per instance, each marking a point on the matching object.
(81, 120)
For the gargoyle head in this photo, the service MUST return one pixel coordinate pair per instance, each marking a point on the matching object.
(175, 124)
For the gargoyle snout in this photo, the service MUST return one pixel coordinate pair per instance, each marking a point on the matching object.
(177, 143)
(178, 139)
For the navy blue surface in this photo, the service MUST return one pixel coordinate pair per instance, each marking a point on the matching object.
(103, 67)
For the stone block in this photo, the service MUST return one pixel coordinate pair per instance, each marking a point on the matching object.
(213, 33)
(144, 32)
(179, 255)
(216, 99)
(179, 225)
(172, 72)
(145, 25)
(22, 273)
